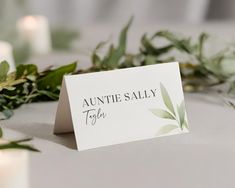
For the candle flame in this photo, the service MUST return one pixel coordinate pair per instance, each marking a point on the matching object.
(30, 22)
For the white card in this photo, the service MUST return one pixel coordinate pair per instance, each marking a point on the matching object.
(118, 106)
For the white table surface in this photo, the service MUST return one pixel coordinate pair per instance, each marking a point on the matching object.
(203, 158)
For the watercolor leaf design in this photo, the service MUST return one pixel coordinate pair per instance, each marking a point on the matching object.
(167, 128)
(167, 99)
(162, 113)
(178, 115)
(181, 112)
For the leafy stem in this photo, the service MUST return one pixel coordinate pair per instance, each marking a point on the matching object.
(27, 85)
(24, 86)
(18, 144)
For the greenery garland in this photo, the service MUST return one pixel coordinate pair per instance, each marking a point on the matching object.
(198, 71)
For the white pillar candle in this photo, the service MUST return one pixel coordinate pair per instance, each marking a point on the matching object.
(35, 31)
(6, 54)
(14, 169)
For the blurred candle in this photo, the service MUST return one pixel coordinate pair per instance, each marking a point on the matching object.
(6, 54)
(35, 31)
(14, 169)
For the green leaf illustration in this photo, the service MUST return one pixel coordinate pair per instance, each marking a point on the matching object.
(181, 113)
(178, 114)
(185, 124)
(162, 113)
(4, 68)
(167, 99)
(167, 129)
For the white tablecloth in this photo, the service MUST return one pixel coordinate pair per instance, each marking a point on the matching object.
(203, 158)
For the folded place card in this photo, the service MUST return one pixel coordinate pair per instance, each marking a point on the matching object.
(124, 105)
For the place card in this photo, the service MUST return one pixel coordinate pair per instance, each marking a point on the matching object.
(124, 105)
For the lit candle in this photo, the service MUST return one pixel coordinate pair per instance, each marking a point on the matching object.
(14, 169)
(35, 31)
(6, 54)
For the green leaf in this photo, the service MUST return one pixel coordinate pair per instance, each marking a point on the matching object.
(162, 113)
(128, 61)
(181, 44)
(150, 60)
(167, 129)
(18, 145)
(49, 94)
(115, 55)
(96, 60)
(4, 68)
(11, 82)
(23, 71)
(7, 113)
(202, 39)
(185, 124)
(181, 112)
(101, 45)
(54, 78)
(214, 65)
(166, 99)
(148, 48)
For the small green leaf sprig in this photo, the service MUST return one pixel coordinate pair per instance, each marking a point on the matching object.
(27, 85)
(178, 115)
(18, 144)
